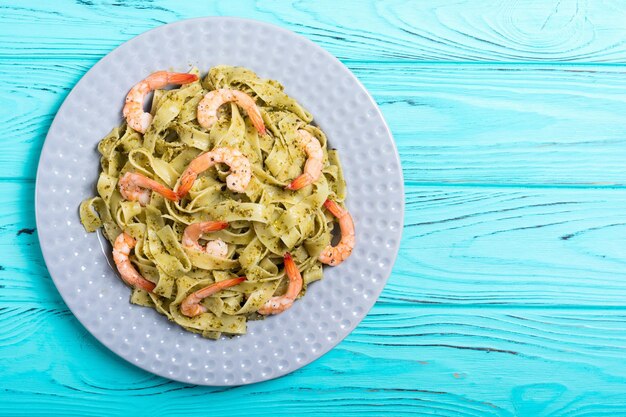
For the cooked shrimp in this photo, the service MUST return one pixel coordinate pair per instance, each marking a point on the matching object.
(121, 250)
(213, 100)
(191, 306)
(193, 232)
(313, 165)
(279, 304)
(136, 187)
(334, 255)
(237, 180)
(133, 109)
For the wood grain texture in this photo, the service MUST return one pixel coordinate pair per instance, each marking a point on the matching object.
(508, 296)
(441, 30)
(401, 360)
(471, 124)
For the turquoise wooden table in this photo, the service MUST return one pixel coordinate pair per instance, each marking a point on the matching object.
(508, 297)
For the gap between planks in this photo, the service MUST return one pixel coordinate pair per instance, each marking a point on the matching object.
(607, 186)
(93, 59)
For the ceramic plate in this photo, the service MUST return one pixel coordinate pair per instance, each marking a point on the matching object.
(68, 170)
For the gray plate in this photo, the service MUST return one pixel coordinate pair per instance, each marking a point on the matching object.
(341, 106)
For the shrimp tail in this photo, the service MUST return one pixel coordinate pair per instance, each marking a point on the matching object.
(186, 182)
(181, 78)
(295, 278)
(334, 208)
(302, 181)
(257, 121)
(169, 194)
(213, 226)
(227, 283)
(290, 266)
(159, 188)
(145, 285)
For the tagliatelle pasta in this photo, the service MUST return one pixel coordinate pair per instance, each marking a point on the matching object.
(265, 220)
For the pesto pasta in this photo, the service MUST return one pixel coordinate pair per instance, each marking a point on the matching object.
(261, 222)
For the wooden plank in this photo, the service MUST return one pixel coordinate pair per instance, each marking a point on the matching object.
(24, 279)
(461, 246)
(443, 30)
(505, 124)
(507, 297)
(31, 96)
(402, 360)
(536, 246)
(473, 124)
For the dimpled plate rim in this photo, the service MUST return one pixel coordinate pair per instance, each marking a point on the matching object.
(331, 309)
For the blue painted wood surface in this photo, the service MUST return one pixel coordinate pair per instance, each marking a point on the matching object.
(508, 295)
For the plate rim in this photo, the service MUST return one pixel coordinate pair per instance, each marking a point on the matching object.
(207, 19)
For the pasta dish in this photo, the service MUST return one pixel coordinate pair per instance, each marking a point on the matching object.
(220, 202)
